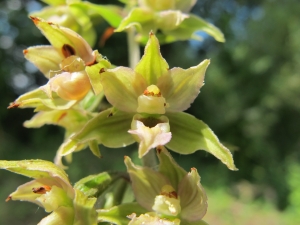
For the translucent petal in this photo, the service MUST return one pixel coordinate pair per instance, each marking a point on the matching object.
(122, 86)
(146, 183)
(180, 87)
(193, 198)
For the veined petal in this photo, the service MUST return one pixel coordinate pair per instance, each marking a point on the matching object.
(62, 216)
(193, 198)
(64, 40)
(152, 65)
(180, 87)
(169, 168)
(46, 58)
(108, 128)
(146, 183)
(190, 134)
(122, 86)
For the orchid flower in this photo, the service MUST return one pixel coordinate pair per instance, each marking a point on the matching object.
(171, 17)
(51, 189)
(148, 103)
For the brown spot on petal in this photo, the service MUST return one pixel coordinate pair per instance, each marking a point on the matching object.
(25, 51)
(50, 23)
(8, 198)
(35, 20)
(102, 70)
(110, 114)
(91, 62)
(41, 190)
(62, 116)
(159, 149)
(13, 105)
(193, 169)
(151, 33)
(68, 50)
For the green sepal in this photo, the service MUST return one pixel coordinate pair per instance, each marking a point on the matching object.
(118, 214)
(63, 215)
(111, 13)
(66, 41)
(141, 18)
(186, 30)
(39, 100)
(85, 214)
(46, 58)
(169, 168)
(108, 128)
(94, 147)
(35, 169)
(152, 65)
(190, 134)
(95, 185)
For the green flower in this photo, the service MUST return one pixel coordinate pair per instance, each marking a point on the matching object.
(76, 15)
(171, 17)
(150, 100)
(70, 65)
(52, 190)
(170, 193)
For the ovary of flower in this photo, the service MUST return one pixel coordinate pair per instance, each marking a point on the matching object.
(151, 101)
(70, 86)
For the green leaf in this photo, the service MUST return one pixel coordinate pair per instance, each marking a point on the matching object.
(118, 214)
(95, 185)
(35, 169)
(39, 100)
(152, 65)
(190, 134)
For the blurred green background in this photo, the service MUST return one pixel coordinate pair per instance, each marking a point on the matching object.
(251, 99)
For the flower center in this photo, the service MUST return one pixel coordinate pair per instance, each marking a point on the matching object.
(151, 101)
(168, 191)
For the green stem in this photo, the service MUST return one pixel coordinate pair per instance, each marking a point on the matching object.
(133, 48)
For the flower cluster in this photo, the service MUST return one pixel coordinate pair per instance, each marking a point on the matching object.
(147, 107)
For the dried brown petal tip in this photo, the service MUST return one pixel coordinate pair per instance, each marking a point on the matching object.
(13, 105)
(25, 51)
(8, 198)
(35, 20)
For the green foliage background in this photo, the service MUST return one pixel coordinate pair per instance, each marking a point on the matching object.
(251, 99)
